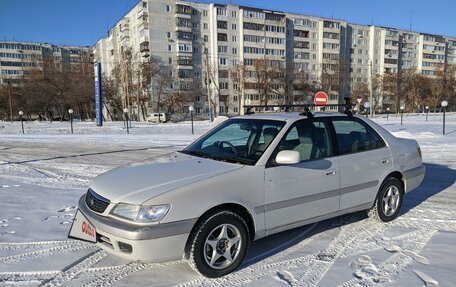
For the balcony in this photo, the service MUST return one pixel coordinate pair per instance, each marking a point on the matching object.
(142, 14)
(183, 9)
(143, 39)
(185, 61)
(144, 47)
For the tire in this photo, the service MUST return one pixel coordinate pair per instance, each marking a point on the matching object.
(389, 200)
(219, 235)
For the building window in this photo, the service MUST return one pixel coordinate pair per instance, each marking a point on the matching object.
(233, 14)
(169, 35)
(233, 39)
(234, 50)
(170, 48)
(204, 13)
(206, 38)
(233, 26)
(222, 37)
(221, 11)
(170, 60)
(205, 27)
(168, 8)
(222, 24)
(222, 49)
(222, 61)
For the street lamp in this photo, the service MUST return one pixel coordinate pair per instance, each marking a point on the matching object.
(367, 106)
(444, 105)
(191, 109)
(21, 113)
(402, 113)
(387, 113)
(70, 111)
(427, 113)
(126, 118)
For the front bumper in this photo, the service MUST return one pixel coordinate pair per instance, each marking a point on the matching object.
(153, 243)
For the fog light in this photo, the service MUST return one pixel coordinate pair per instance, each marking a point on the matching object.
(126, 248)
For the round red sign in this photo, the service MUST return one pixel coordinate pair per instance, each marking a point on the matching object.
(320, 99)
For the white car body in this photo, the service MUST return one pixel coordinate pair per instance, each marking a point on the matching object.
(271, 198)
(157, 118)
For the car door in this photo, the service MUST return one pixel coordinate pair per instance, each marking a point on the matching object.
(307, 190)
(364, 161)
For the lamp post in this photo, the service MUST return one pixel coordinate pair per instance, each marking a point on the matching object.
(191, 109)
(444, 105)
(427, 113)
(21, 113)
(387, 113)
(402, 113)
(70, 111)
(367, 107)
(126, 119)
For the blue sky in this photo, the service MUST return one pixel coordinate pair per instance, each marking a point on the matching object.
(83, 22)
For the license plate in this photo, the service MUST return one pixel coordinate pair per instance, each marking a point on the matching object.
(82, 229)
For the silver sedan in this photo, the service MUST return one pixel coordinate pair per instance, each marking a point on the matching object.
(249, 177)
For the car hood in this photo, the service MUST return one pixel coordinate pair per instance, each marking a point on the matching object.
(137, 184)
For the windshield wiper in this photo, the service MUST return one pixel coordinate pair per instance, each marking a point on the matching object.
(195, 153)
(231, 159)
(216, 157)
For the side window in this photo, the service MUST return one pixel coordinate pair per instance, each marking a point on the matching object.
(308, 137)
(353, 136)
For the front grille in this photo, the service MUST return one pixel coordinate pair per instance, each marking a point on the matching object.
(96, 202)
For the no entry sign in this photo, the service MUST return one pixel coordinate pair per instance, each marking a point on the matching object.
(320, 99)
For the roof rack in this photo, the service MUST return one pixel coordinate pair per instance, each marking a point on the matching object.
(306, 108)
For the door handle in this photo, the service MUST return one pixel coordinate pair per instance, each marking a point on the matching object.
(385, 160)
(331, 172)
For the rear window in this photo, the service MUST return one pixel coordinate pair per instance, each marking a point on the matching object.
(354, 136)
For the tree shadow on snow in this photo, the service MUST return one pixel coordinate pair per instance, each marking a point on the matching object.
(437, 178)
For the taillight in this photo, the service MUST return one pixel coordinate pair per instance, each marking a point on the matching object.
(419, 152)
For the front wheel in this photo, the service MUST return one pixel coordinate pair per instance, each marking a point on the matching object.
(219, 244)
(389, 200)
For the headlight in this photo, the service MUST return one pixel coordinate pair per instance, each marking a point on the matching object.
(141, 213)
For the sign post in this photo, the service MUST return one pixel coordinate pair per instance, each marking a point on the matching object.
(98, 95)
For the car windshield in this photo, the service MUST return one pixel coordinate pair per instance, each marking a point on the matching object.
(240, 141)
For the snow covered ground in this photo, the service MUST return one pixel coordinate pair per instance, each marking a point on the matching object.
(44, 171)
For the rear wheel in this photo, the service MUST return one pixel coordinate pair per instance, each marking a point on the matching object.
(389, 200)
(219, 244)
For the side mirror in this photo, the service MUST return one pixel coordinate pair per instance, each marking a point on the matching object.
(288, 157)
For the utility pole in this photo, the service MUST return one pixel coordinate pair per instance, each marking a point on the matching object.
(208, 82)
(371, 91)
(10, 103)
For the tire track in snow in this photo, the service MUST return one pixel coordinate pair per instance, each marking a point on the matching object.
(395, 263)
(44, 252)
(39, 244)
(73, 270)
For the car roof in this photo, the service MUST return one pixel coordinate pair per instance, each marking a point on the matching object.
(289, 116)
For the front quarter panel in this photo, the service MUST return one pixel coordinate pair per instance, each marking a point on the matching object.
(242, 186)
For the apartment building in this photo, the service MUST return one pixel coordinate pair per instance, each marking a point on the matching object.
(221, 47)
(18, 57)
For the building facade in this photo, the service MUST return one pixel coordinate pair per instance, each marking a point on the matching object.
(241, 55)
(18, 57)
